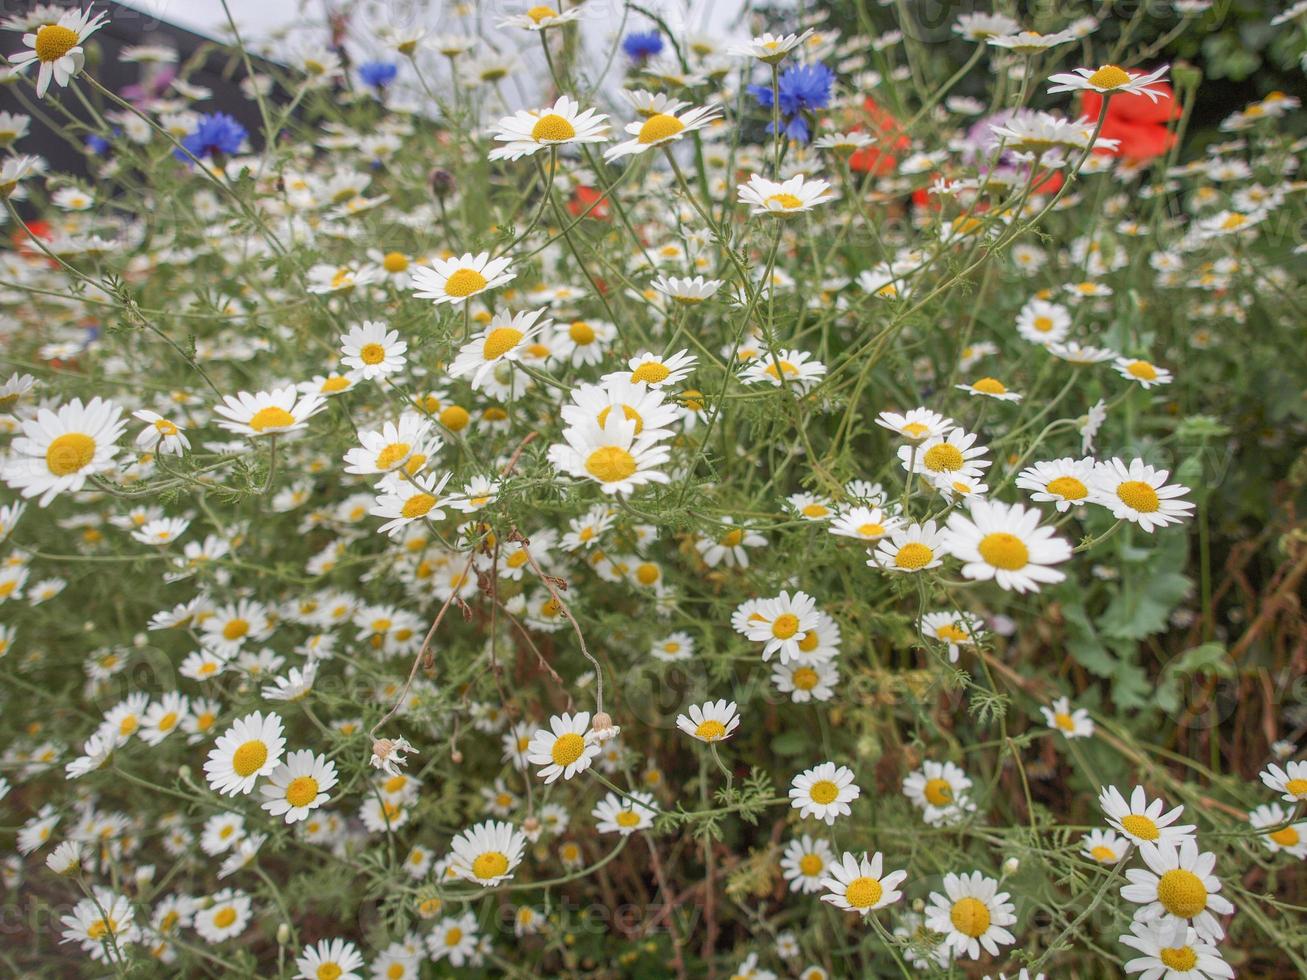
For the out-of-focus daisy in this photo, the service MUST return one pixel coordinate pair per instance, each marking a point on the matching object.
(504, 339)
(1104, 846)
(624, 814)
(1290, 781)
(1072, 723)
(953, 628)
(1281, 833)
(1145, 373)
(804, 863)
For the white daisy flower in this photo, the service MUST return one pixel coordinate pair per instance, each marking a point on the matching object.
(864, 524)
(1141, 821)
(298, 785)
(454, 938)
(971, 914)
(408, 443)
(1063, 482)
(795, 369)
(731, 548)
(1290, 782)
(268, 413)
(1145, 373)
(662, 128)
(103, 925)
(160, 434)
(1006, 543)
(824, 792)
(1108, 80)
(612, 455)
(793, 196)
(955, 629)
(688, 292)
(372, 350)
(916, 425)
(458, 280)
(541, 18)
(990, 388)
(1173, 951)
(634, 401)
(403, 500)
(561, 124)
(57, 48)
(333, 959)
(1104, 846)
(771, 49)
(59, 450)
(488, 852)
(860, 885)
(656, 370)
(914, 548)
(805, 862)
(250, 748)
(1140, 494)
(504, 340)
(940, 790)
(624, 814)
(1288, 837)
(781, 624)
(805, 682)
(564, 748)
(1178, 888)
(225, 917)
(163, 717)
(711, 721)
(953, 454)
(1072, 723)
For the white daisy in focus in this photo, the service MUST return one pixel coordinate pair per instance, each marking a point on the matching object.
(561, 124)
(824, 792)
(971, 914)
(250, 748)
(711, 721)
(458, 280)
(1178, 888)
(59, 450)
(298, 785)
(565, 748)
(860, 885)
(1108, 80)
(268, 413)
(1140, 494)
(1006, 543)
(487, 853)
(57, 48)
(372, 350)
(793, 196)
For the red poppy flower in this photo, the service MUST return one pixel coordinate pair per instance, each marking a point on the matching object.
(882, 158)
(583, 197)
(1136, 121)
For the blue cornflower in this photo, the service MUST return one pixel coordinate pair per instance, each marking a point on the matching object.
(97, 144)
(215, 134)
(378, 74)
(641, 47)
(803, 88)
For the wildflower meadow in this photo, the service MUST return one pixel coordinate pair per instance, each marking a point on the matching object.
(585, 491)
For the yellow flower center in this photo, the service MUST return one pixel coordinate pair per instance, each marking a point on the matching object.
(271, 417)
(786, 368)
(647, 573)
(811, 865)
(1181, 958)
(1139, 496)
(815, 510)
(165, 427)
(1068, 488)
(98, 929)
(783, 202)
(710, 730)
(1138, 825)
(454, 418)
(395, 971)
(491, 864)
(1064, 721)
(334, 384)
(970, 916)
(628, 818)
(552, 128)
(372, 354)
(69, 453)
(567, 749)
(938, 792)
(1103, 854)
(823, 791)
(871, 530)
(659, 127)
(863, 893)
(329, 971)
(1109, 76)
(128, 725)
(805, 678)
(609, 464)
(1142, 370)
(301, 791)
(732, 539)
(1285, 837)
(1296, 787)
(784, 626)
(418, 505)
(235, 629)
(914, 430)
(249, 758)
(394, 262)
(1182, 893)
(944, 457)
(465, 282)
(650, 372)
(809, 641)
(950, 632)
(1043, 324)
(499, 342)
(581, 332)
(53, 41)
(914, 555)
(224, 917)
(1003, 550)
(538, 14)
(990, 386)
(392, 455)
(631, 416)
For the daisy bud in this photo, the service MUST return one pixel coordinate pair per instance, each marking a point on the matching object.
(530, 825)
(283, 934)
(1011, 866)
(184, 773)
(441, 181)
(456, 757)
(602, 728)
